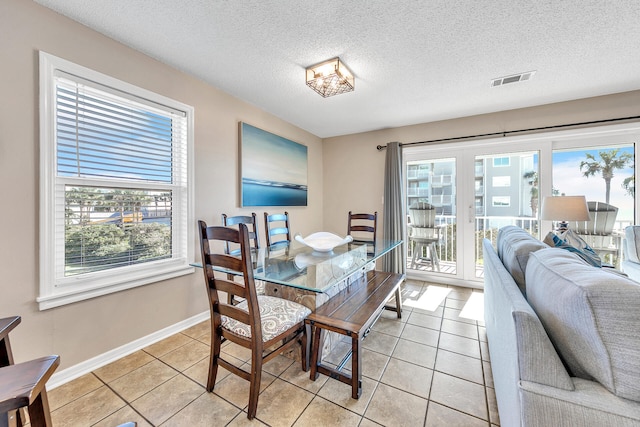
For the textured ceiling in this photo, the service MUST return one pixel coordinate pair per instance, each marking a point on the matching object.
(414, 61)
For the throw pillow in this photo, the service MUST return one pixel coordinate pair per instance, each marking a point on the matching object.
(574, 243)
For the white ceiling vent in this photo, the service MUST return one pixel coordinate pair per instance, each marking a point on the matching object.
(512, 79)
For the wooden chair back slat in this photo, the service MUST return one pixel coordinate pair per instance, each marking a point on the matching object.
(242, 266)
(252, 227)
(279, 230)
(235, 313)
(363, 227)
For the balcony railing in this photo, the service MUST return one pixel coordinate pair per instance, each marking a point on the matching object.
(488, 226)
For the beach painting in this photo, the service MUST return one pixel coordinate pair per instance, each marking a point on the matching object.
(273, 169)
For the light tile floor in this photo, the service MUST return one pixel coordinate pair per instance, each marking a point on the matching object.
(430, 368)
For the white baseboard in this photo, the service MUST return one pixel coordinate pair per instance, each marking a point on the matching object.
(73, 372)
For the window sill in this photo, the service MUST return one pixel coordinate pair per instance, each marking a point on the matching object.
(62, 298)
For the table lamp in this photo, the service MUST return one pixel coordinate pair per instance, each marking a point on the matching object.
(563, 209)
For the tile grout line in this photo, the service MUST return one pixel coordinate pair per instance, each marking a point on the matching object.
(127, 403)
(435, 361)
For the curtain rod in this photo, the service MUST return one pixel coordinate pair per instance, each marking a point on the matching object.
(507, 132)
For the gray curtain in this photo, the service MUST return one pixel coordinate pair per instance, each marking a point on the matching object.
(394, 212)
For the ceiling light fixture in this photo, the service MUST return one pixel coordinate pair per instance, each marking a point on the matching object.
(330, 78)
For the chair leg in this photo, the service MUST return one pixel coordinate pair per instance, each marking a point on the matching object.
(304, 347)
(316, 352)
(39, 414)
(435, 261)
(213, 359)
(416, 250)
(254, 384)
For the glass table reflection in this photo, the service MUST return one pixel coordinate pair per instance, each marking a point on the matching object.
(298, 266)
(301, 267)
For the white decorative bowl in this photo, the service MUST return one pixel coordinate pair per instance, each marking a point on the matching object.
(323, 241)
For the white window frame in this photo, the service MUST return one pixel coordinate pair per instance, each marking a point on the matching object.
(56, 291)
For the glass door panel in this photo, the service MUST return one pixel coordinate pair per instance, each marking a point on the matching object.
(604, 174)
(506, 193)
(431, 209)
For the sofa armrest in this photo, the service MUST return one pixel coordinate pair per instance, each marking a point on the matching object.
(589, 404)
(537, 357)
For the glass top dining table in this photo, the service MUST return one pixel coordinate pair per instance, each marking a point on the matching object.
(299, 266)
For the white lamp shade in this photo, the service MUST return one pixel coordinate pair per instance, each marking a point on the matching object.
(565, 208)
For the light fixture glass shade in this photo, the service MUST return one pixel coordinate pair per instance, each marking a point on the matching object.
(330, 78)
(564, 208)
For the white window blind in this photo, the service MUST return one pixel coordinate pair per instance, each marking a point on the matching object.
(118, 184)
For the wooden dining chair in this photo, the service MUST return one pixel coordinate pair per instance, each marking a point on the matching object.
(7, 325)
(264, 324)
(363, 227)
(254, 239)
(271, 232)
(250, 221)
(23, 385)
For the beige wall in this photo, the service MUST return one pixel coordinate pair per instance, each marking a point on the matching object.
(354, 169)
(86, 329)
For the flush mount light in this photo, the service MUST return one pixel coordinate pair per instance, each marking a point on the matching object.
(330, 78)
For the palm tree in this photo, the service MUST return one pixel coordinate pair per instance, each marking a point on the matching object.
(629, 184)
(608, 163)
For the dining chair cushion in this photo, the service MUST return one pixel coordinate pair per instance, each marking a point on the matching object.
(277, 316)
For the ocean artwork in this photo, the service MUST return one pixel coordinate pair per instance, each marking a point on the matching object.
(273, 169)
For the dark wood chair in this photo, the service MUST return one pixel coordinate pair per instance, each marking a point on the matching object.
(250, 221)
(254, 239)
(271, 232)
(7, 325)
(264, 324)
(23, 385)
(363, 227)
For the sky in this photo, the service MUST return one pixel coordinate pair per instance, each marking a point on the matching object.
(568, 179)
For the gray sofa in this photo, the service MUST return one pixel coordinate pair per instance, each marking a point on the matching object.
(564, 336)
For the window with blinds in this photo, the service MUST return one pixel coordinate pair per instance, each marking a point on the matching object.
(115, 203)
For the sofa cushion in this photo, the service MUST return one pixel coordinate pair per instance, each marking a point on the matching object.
(591, 316)
(514, 245)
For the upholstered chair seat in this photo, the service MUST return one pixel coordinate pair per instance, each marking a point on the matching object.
(277, 315)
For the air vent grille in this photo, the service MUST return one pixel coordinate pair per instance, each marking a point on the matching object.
(512, 79)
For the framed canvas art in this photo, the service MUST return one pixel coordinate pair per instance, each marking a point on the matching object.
(273, 169)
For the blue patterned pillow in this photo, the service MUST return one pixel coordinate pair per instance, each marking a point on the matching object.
(574, 243)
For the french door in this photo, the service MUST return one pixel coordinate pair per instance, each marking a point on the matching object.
(475, 190)
(478, 187)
